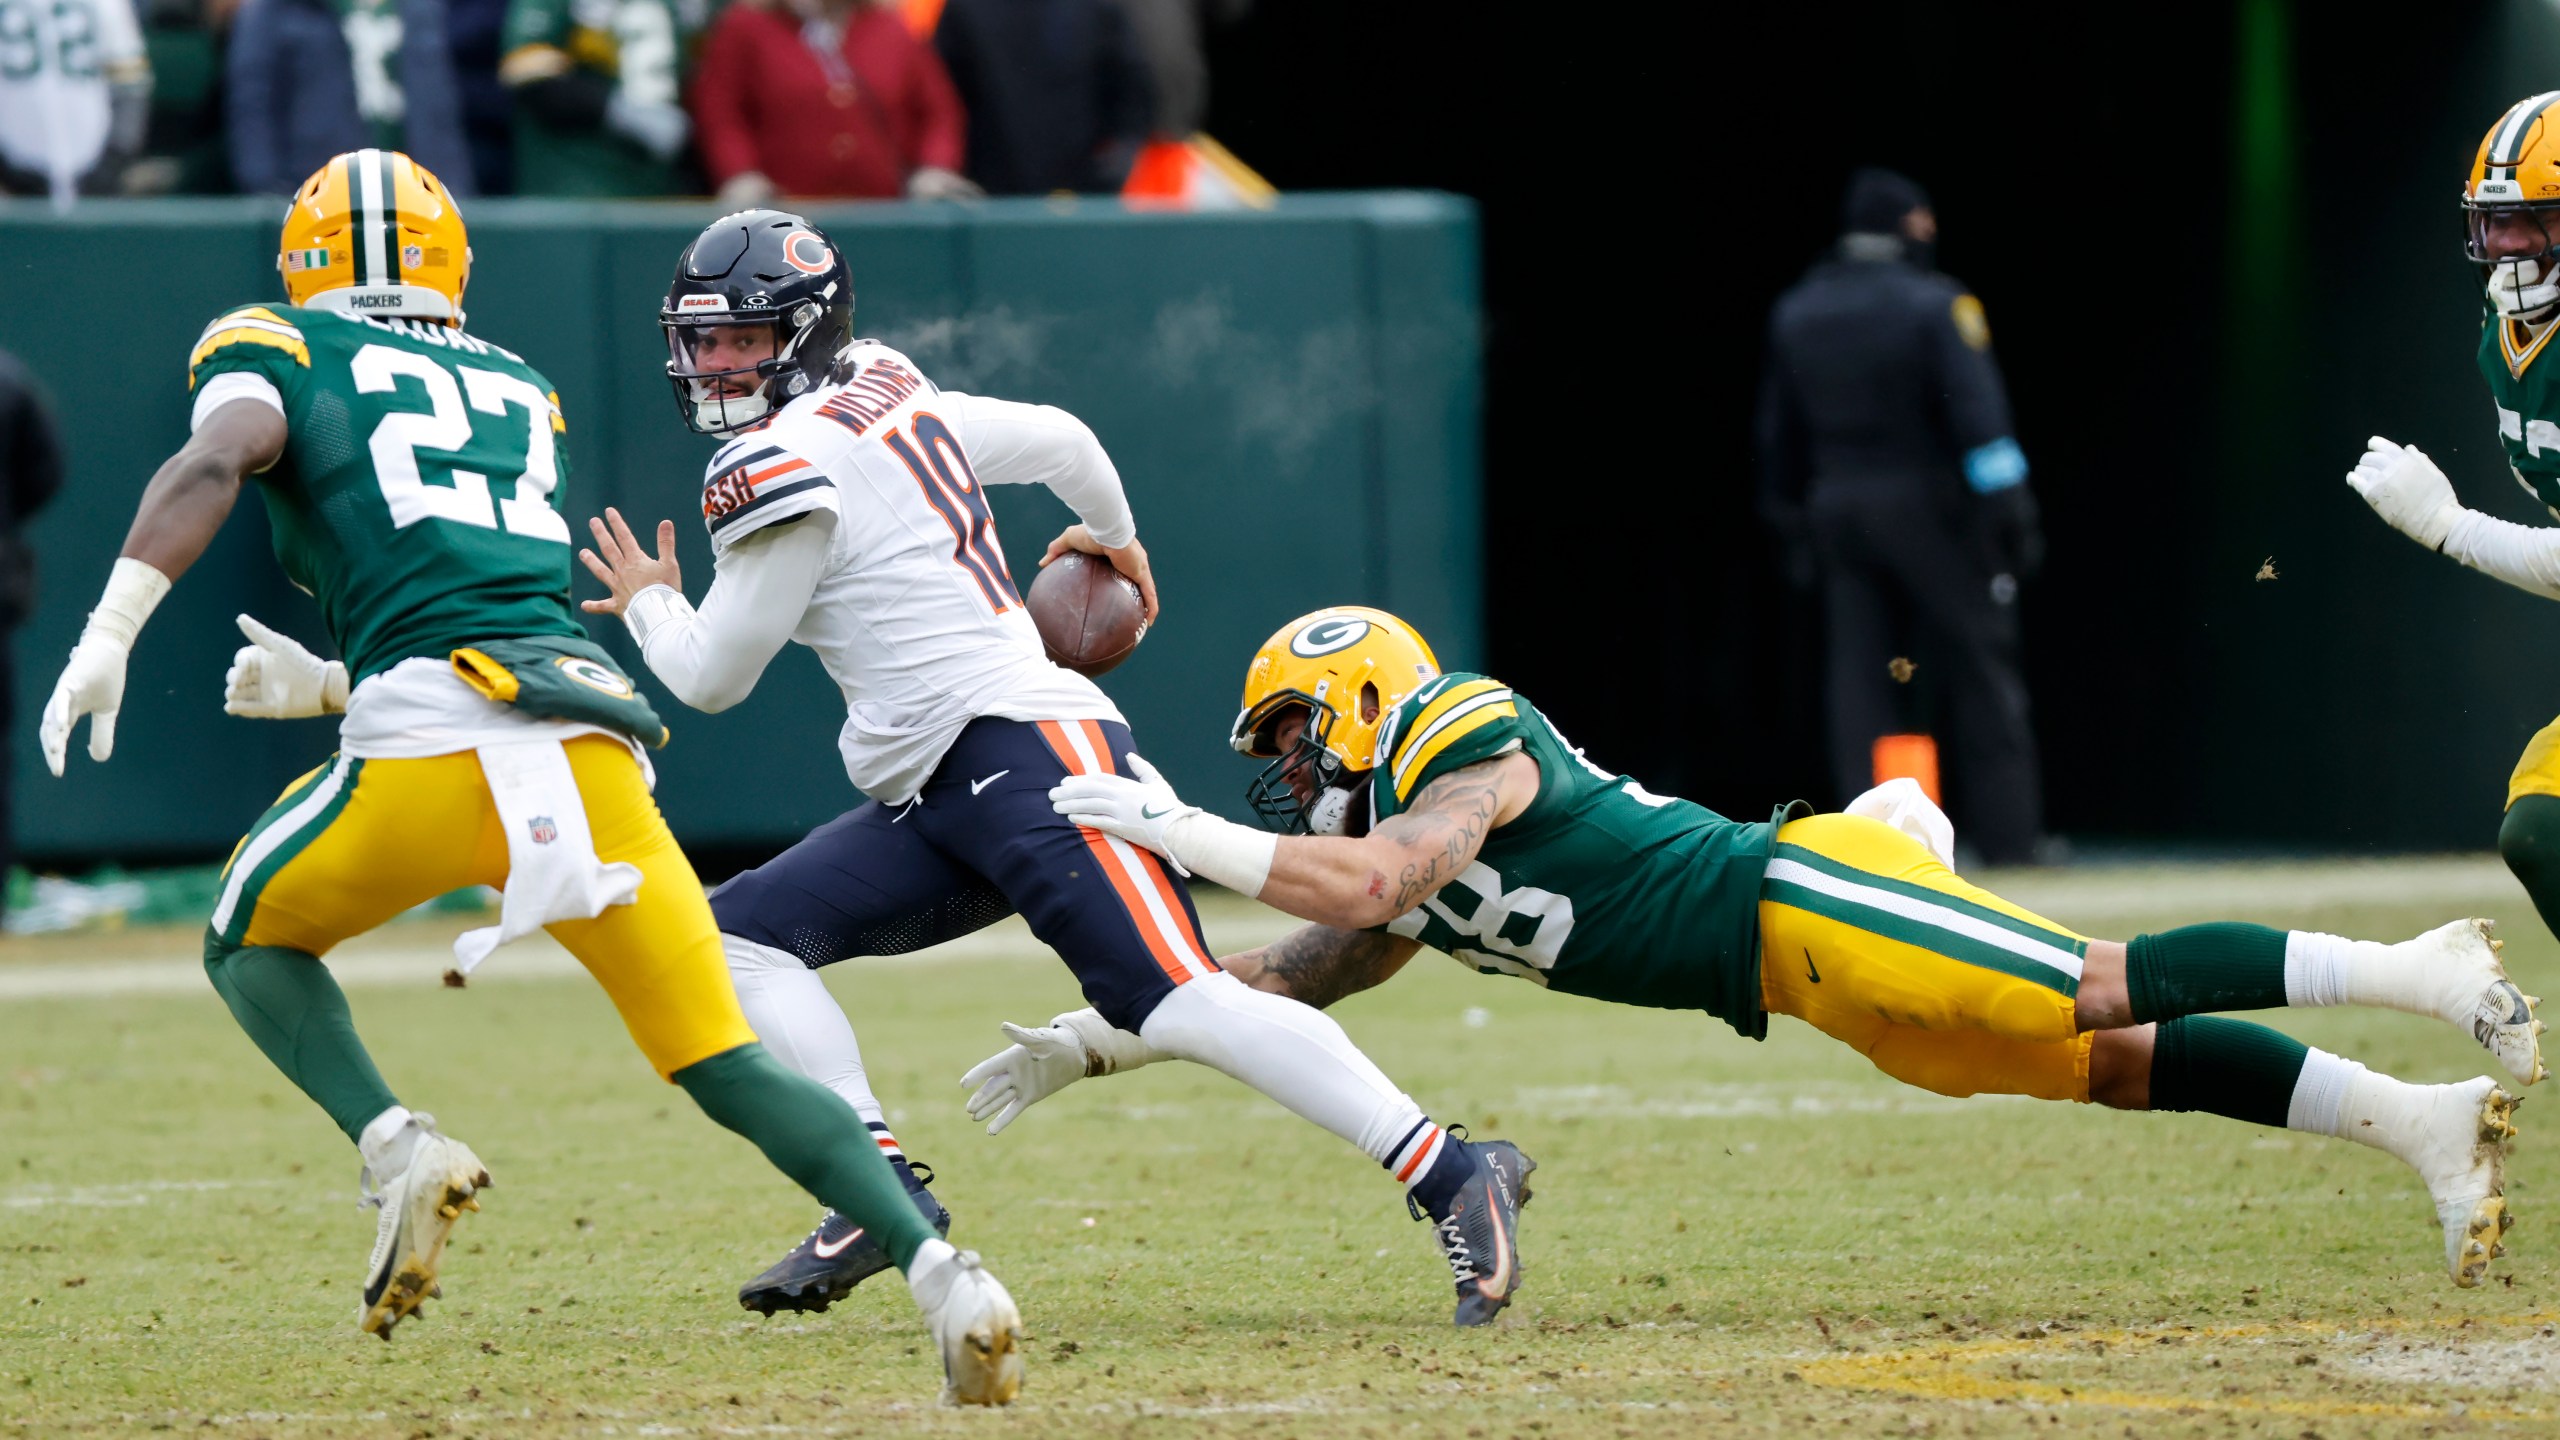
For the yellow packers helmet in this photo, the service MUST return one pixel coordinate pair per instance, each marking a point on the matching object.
(1347, 667)
(372, 233)
(2511, 208)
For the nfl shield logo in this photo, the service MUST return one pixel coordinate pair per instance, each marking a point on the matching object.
(411, 257)
(544, 831)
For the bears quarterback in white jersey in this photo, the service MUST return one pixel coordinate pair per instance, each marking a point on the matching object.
(848, 512)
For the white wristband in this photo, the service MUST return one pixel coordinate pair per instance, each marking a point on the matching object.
(133, 592)
(1106, 1051)
(654, 609)
(333, 687)
(1236, 856)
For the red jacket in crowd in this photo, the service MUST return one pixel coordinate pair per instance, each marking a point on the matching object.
(854, 121)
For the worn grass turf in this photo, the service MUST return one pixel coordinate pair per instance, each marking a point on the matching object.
(1727, 1238)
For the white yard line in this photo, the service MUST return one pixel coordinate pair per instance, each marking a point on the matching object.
(418, 955)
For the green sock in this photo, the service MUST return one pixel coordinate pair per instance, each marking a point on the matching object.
(813, 1137)
(2529, 839)
(2225, 1067)
(2194, 969)
(292, 1007)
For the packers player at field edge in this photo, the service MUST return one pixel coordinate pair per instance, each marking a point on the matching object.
(411, 473)
(1444, 810)
(2511, 210)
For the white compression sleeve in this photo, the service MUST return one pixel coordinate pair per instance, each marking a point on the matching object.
(788, 1007)
(2525, 556)
(1236, 856)
(1293, 1053)
(1011, 443)
(713, 656)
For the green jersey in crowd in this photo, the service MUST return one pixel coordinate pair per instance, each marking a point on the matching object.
(417, 496)
(1600, 887)
(2528, 398)
(637, 51)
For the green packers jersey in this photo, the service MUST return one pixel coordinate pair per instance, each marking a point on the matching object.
(644, 47)
(416, 497)
(2528, 396)
(1600, 887)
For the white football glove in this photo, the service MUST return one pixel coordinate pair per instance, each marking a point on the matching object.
(1038, 1064)
(92, 684)
(1902, 804)
(275, 678)
(2406, 489)
(1138, 811)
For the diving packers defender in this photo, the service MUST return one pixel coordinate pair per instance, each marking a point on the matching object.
(412, 476)
(1473, 827)
(2511, 212)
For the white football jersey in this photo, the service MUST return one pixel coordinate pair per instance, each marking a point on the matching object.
(915, 614)
(55, 66)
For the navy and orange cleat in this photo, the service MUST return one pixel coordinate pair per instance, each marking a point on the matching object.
(837, 1256)
(1480, 1234)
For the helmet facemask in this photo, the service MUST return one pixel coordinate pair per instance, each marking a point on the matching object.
(2523, 285)
(1341, 795)
(780, 378)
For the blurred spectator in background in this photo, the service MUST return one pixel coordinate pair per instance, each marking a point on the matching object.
(1170, 35)
(30, 473)
(75, 96)
(1056, 90)
(312, 78)
(825, 98)
(597, 88)
(475, 30)
(1893, 479)
(183, 149)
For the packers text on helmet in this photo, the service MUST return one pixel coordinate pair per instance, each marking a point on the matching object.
(2511, 209)
(372, 233)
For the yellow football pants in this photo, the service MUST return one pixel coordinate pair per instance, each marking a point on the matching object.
(2538, 768)
(1944, 985)
(356, 842)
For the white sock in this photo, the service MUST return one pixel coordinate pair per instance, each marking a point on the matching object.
(931, 1256)
(2340, 1097)
(387, 1142)
(788, 1007)
(2333, 970)
(1291, 1052)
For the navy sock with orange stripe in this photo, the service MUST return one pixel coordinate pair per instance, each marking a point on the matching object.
(1432, 1163)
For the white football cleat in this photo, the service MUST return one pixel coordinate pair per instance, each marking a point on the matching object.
(973, 1320)
(420, 1206)
(2472, 992)
(2456, 1137)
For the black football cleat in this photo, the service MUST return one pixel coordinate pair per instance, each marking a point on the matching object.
(1480, 1236)
(837, 1256)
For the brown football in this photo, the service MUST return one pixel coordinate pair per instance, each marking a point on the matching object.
(1090, 616)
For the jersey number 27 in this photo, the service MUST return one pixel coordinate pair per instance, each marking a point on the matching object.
(400, 435)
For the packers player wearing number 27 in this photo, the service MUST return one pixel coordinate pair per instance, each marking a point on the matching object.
(2511, 206)
(1448, 812)
(411, 472)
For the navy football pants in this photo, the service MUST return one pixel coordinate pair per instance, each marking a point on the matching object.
(978, 843)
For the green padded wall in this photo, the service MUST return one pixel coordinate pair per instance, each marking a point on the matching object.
(1291, 395)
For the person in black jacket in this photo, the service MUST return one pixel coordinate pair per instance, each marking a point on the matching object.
(30, 473)
(1057, 92)
(1891, 474)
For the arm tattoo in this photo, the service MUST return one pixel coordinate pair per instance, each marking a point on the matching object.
(1442, 832)
(1322, 965)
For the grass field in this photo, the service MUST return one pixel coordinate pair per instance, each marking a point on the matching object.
(1728, 1238)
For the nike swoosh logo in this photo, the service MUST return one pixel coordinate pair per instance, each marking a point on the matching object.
(977, 785)
(1809, 972)
(822, 1249)
(1147, 814)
